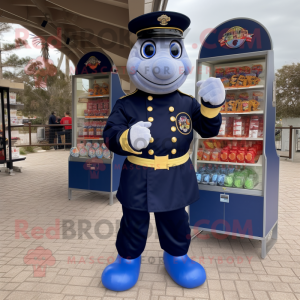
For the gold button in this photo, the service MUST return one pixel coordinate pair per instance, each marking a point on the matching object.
(150, 98)
(149, 108)
(173, 151)
(174, 139)
(150, 119)
(151, 140)
(173, 128)
(171, 108)
(172, 119)
(151, 152)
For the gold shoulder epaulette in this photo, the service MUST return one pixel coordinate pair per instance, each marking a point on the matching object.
(185, 94)
(129, 94)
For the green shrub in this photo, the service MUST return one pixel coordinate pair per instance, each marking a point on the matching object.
(46, 147)
(29, 149)
(22, 151)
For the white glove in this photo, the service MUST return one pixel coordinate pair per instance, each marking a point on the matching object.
(212, 90)
(140, 135)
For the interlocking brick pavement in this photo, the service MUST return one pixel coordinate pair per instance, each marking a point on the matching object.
(39, 196)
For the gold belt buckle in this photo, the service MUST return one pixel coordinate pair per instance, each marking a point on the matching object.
(161, 162)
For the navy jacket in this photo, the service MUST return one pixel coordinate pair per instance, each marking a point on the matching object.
(143, 188)
(52, 120)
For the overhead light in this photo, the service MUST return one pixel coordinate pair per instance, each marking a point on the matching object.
(44, 23)
(68, 41)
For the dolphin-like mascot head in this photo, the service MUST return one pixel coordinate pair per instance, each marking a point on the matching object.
(158, 62)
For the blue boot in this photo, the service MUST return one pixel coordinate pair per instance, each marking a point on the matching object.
(122, 274)
(184, 271)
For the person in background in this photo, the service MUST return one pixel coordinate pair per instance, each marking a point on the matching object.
(52, 121)
(59, 131)
(68, 129)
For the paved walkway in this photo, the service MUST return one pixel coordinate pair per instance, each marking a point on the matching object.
(36, 202)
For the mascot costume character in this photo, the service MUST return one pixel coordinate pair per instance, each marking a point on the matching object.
(153, 127)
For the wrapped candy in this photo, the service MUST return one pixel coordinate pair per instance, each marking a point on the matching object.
(244, 70)
(74, 152)
(96, 145)
(202, 169)
(228, 180)
(219, 72)
(200, 154)
(214, 179)
(229, 72)
(257, 69)
(208, 144)
(92, 153)
(238, 181)
(225, 81)
(206, 178)
(83, 152)
(206, 155)
(106, 153)
(88, 145)
(251, 181)
(99, 153)
(199, 177)
(221, 179)
(232, 155)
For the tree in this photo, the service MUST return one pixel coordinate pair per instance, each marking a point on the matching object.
(288, 91)
(56, 97)
(12, 60)
(46, 89)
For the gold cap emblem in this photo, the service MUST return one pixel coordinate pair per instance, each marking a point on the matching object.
(164, 19)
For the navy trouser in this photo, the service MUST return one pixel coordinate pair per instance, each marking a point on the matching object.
(172, 227)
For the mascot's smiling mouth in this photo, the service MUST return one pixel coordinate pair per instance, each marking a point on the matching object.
(159, 83)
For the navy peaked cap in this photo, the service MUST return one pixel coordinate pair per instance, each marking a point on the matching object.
(163, 24)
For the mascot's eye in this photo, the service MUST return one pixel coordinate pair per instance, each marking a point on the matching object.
(175, 49)
(148, 50)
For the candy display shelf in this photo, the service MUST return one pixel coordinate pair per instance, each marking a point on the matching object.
(93, 97)
(233, 138)
(92, 167)
(90, 138)
(252, 87)
(257, 112)
(88, 160)
(104, 117)
(258, 164)
(96, 117)
(256, 191)
(250, 68)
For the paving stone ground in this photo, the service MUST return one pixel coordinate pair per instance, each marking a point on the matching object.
(36, 203)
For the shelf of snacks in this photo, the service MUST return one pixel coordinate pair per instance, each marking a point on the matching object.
(248, 74)
(257, 112)
(222, 189)
(245, 102)
(238, 170)
(92, 112)
(257, 162)
(244, 88)
(92, 167)
(228, 176)
(235, 138)
(93, 97)
(90, 150)
(230, 151)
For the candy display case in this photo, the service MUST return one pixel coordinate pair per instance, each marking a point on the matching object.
(91, 107)
(96, 88)
(238, 170)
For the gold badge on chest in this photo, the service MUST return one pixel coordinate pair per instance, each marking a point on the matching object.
(184, 123)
